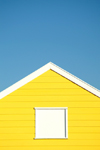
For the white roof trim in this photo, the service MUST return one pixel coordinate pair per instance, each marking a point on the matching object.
(43, 69)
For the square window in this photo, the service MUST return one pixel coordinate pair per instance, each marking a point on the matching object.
(51, 123)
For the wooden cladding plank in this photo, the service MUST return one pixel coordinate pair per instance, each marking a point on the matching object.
(84, 130)
(68, 98)
(14, 123)
(17, 130)
(49, 79)
(19, 136)
(50, 104)
(47, 92)
(81, 110)
(82, 117)
(51, 142)
(51, 85)
(17, 117)
(86, 136)
(16, 111)
(51, 147)
(84, 123)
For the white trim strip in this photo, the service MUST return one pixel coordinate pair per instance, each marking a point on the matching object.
(50, 138)
(66, 122)
(50, 108)
(44, 69)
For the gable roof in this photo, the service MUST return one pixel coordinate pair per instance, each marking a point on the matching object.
(43, 69)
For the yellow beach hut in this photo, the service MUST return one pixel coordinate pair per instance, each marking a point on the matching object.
(50, 109)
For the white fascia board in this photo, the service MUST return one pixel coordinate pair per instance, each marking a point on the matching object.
(43, 69)
(75, 80)
(24, 81)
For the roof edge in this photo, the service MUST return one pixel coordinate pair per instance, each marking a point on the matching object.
(76, 80)
(45, 68)
(25, 80)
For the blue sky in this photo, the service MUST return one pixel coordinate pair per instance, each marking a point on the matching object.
(35, 32)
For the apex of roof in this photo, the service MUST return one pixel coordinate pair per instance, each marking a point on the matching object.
(43, 69)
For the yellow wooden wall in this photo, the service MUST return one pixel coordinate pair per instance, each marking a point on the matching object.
(17, 116)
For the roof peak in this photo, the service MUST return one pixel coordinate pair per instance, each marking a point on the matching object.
(45, 68)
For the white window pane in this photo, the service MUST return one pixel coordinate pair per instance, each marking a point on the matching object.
(50, 123)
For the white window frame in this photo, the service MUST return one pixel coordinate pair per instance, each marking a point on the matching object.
(65, 120)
